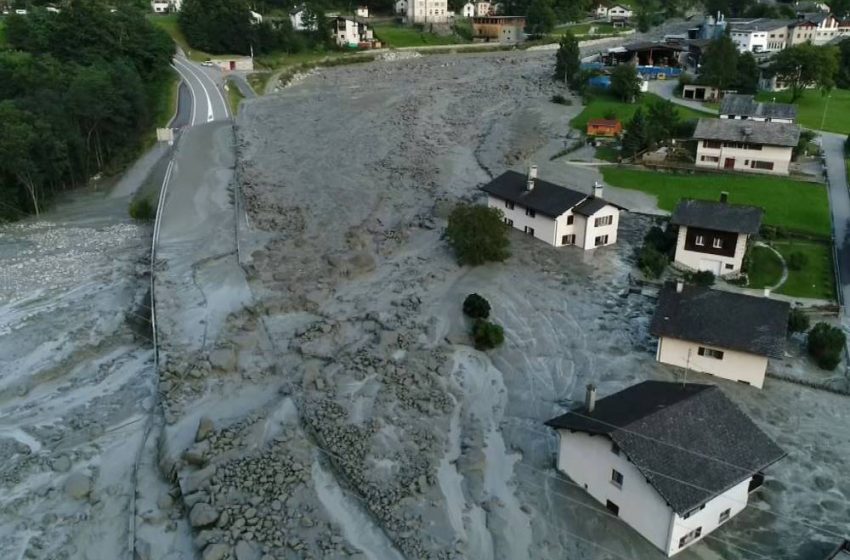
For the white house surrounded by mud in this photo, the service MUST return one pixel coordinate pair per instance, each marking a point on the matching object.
(648, 455)
(746, 145)
(713, 236)
(552, 213)
(721, 333)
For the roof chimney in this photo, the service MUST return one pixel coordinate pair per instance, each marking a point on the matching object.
(679, 286)
(748, 131)
(532, 177)
(597, 189)
(590, 398)
(724, 197)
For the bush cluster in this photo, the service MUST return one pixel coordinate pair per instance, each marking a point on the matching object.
(476, 307)
(703, 278)
(797, 260)
(485, 334)
(825, 345)
(798, 321)
(142, 209)
(561, 100)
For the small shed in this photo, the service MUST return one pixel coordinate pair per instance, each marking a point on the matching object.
(604, 127)
(700, 93)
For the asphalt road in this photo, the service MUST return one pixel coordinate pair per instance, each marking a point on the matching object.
(208, 102)
(839, 204)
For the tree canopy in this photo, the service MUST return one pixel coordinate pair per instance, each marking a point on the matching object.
(567, 59)
(77, 91)
(625, 82)
(806, 65)
(477, 234)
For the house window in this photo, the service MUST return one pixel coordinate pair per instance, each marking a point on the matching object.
(714, 159)
(604, 221)
(717, 243)
(710, 353)
(570, 219)
(724, 515)
(616, 478)
(762, 165)
(568, 239)
(601, 240)
(509, 205)
(615, 449)
(693, 511)
(729, 266)
(530, 213)
(529, 230)
(509, 222)
(700, 240)
(713, 144)
(612, 507)
(690, 537)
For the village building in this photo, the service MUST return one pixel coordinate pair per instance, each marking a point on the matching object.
(751, 146)
(759, 35)
(427, 11)
(700, 93)
(726, 334)
(362, 11)
(826, 27)
(714, 236)
(802, 31)
(296, 18)
(552, 213)
(348, 32)
(502, 29)
(840, 553)
(604, 127)
(158, 6)
(400, 7)
(618, 15)
(483, 9)
(674, 461)
(745, 107)
(468, 10)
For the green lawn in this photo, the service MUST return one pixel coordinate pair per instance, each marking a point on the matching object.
(810, 108)
(816, 279)
(607, 152)
(234, 96)
(602, 105)
(765, 268)
(791, 204)
(403, 36)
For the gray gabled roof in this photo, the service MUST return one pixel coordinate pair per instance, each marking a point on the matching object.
(718, 216)
(746, 105)
(546, 198)
(689, 440)
(725, 320)
(754, 132)
(758, 24)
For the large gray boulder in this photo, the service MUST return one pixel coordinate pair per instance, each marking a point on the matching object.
(203, 515)
(217, 552)
(77, 486)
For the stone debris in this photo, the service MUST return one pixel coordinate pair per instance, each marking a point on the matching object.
(77, 486)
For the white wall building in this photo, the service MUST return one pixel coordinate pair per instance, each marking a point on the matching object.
(676, 495)
(751, 146)
(347, 32)
(483, 9)
(618, 13)
(552, 213)
(760, 34)
(166, 6)
(362, 11)
(427, 11)
(400, 7)
(468, 10)
(714, 236)
(296, 18)
(721, 333)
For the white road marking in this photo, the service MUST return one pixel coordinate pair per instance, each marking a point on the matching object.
(188, 67)
(192, 91)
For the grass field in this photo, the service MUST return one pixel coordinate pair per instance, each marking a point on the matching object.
(602, 105)
(816, 279)
(258, 81)
(810, 108)
(765, 268)
(234, 96)
(402, 36)
(787, 203)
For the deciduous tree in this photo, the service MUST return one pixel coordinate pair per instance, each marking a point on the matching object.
(806, 65)
(477, 234)
(625, 82)
(568, 59)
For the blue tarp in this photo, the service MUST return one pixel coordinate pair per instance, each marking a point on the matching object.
(600, 82)
(652, 72)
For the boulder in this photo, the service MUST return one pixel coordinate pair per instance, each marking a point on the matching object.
(61, 464)
(217, 552)
(77, 486)
(205, 428)
(247, 551)
(223, 359)
(203, 515)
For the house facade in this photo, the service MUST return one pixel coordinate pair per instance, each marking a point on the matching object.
(552, 213)
(714, 236)
(720, 333)
(618, 14)
(750, 146)
(400, 7)
(362, 11)
(427, 11)
(676, 498)
(348, 32)
(296, 18)
(468, 10)
(160, 6)
(483, 9)
(700, 93)
(759, 35)
(504, 29)
(604, 127)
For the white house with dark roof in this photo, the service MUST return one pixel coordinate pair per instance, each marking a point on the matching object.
(552, 213)
(726, 334)
(752, 146)
(745, 107)
(648, 454)
(714, 235)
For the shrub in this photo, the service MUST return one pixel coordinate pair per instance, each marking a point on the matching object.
(701, 278)
(651, 262)
(825, 344)
(477, 234)
(476, 307)
(662, 240)
(797, 260)
(142, 209)
(561, 100)
(798, 321)
(487, 335)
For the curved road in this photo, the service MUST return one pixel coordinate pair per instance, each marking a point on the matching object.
(208, 102)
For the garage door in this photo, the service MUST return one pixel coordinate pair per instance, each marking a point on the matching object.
(709, 264)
